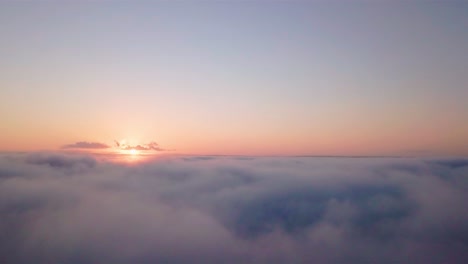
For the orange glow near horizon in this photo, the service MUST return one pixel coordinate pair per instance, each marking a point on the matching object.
(256, 139)
(263, 145)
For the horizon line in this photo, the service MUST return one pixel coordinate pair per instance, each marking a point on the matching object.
(163, 153)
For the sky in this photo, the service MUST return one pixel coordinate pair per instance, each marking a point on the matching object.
(236, 77)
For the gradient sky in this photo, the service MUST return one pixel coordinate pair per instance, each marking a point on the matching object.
(237, 77)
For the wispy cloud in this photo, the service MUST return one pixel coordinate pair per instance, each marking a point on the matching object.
(86, 145)
(144, 147)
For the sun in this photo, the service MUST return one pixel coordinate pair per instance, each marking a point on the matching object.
(133, 152)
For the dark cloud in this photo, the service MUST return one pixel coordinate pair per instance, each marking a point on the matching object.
(453, 163)
(86, 145)
(73, 209)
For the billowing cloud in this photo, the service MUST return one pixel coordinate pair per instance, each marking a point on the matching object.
(86, 145)
(144, 147)
(74, 209)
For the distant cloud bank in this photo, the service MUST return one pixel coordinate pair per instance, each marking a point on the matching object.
(57, 208)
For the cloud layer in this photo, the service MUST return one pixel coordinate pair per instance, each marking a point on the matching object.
(74, 209)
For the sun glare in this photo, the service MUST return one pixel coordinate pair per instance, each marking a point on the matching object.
(133, 152)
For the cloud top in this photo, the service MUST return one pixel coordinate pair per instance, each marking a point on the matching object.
(57, 208)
